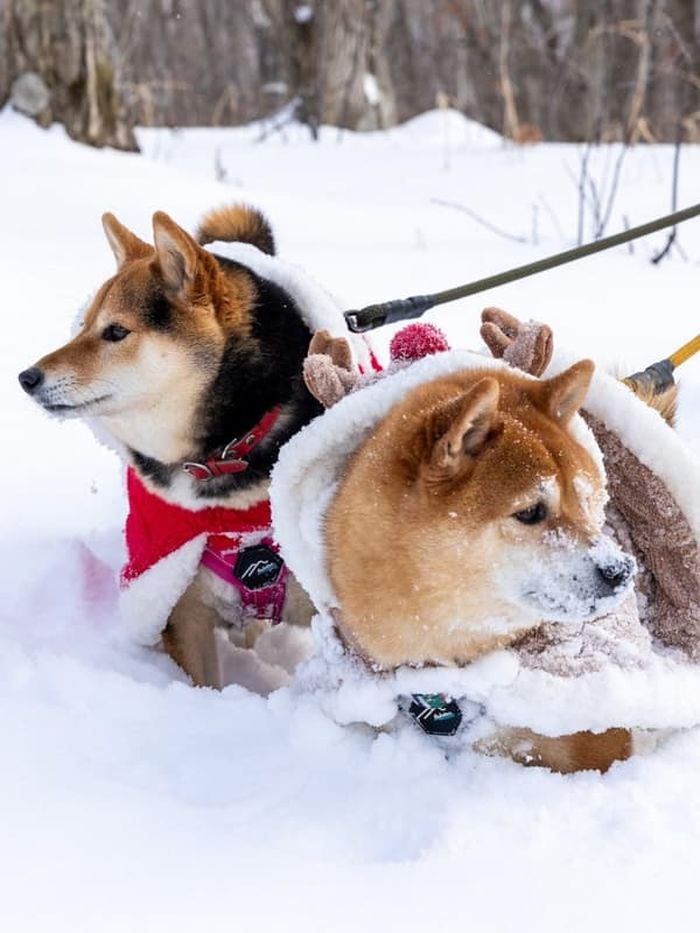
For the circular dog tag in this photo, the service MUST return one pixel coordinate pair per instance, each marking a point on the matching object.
(257, 566)
(435, 713)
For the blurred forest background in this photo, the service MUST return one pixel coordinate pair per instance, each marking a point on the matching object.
(596, 71)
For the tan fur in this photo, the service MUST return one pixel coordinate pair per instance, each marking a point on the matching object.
(189, 637)
(420, 524)
(236, 222)
(581, 751)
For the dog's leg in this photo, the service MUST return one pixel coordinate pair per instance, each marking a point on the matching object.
(580, 751)
(298, 608)
(190, 640)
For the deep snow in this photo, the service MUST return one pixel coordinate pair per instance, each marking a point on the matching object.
(130, 800)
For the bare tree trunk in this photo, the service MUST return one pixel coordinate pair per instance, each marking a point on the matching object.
(61, 65)
(335, 61)
(637, 125)
(601, 70)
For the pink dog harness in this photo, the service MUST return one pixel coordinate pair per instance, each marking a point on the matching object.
(257, 571)
(238, 546)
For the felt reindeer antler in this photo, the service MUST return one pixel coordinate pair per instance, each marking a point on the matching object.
(328, 368)
(329, 373)
(527, 346)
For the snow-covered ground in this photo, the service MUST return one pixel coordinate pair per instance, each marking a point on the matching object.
(130, 801)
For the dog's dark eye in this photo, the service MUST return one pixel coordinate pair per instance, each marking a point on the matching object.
(533, 515)
(114, 333)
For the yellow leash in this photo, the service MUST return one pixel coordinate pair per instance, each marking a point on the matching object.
(685, 352)
(659, 376)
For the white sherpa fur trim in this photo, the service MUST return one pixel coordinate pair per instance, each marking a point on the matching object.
(664, 693)
(146, 603)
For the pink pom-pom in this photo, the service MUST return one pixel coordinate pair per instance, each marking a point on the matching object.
(416, 341)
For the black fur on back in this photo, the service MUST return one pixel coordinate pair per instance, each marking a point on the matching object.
(246, 386)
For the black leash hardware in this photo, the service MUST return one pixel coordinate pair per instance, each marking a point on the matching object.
(657, 378)
(435, 713)
(398, 310)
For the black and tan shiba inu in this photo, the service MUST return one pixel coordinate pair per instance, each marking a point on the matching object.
(181, 352)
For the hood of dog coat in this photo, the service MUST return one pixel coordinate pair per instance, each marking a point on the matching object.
(657, 689)
(318, 308)
(312, 463)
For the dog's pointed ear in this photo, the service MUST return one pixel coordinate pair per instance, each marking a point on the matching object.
(462, 426)
(125, 244)
(178, 256)
(565, 394)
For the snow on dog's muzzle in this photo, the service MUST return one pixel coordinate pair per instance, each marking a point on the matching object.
(618, 574)
(577, 585)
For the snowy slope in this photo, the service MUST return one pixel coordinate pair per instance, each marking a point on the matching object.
(129, 800)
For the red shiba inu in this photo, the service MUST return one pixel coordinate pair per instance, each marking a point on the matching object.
(469, 515)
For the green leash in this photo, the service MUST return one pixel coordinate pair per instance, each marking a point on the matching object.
(404, 308)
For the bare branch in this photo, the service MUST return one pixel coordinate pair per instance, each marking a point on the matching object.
(674, 202)
(582, 190)
(480, 220)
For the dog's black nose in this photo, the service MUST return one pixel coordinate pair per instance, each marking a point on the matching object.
(617, 573)
(31, 379)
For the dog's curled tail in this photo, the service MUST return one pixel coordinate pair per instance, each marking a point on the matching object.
(665, 402)
(236, 223)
